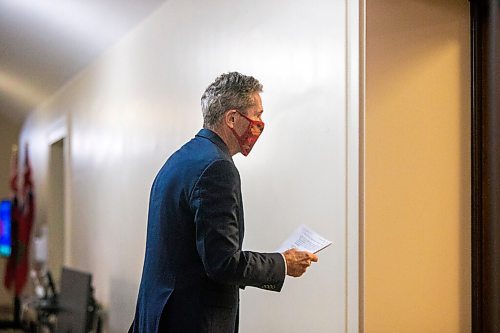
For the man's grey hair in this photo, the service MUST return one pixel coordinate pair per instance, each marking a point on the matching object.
(229, 91)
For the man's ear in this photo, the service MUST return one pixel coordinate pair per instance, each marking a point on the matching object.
(230, 118)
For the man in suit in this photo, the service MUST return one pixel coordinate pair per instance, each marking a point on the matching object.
(194, 264)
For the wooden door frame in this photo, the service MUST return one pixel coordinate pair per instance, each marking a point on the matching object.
(485, 91)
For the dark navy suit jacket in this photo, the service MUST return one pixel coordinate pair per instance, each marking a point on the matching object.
(194, 264)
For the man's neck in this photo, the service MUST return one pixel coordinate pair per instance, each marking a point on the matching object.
(227, 136)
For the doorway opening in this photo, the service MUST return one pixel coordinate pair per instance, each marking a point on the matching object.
(56, 208)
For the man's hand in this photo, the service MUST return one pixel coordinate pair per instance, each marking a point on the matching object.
(298, 261)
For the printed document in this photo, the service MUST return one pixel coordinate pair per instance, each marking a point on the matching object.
(305, 239)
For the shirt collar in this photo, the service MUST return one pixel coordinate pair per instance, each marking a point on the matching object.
(215, 138)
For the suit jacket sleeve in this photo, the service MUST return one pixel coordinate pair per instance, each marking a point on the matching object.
(215, 204)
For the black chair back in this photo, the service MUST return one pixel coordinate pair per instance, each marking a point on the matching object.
(74, 302)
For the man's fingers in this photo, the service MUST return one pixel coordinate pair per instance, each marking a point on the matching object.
(311, 256)
(298, 261)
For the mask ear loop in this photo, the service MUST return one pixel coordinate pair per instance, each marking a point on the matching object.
(258, 123)
(248, 137)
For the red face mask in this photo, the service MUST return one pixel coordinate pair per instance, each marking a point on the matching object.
(250, 136)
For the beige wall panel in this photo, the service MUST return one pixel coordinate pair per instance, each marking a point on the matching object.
(417, 232)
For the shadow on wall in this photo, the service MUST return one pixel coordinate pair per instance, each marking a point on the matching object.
(123, 295)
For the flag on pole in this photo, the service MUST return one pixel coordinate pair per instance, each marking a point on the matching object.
(26, 225)
(22, 219)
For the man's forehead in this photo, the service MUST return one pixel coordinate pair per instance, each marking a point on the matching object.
(256, 108)
(257, 101)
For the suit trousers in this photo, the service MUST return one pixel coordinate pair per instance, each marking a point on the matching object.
(182, 315)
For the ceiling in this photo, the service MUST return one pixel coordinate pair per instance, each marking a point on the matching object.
(44, 43)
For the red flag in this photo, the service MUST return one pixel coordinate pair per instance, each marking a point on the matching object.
(23, 218)
(25, 226)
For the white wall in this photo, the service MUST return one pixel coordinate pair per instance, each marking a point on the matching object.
(128, 111)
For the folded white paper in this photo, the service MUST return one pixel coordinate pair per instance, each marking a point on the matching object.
(304, 239)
